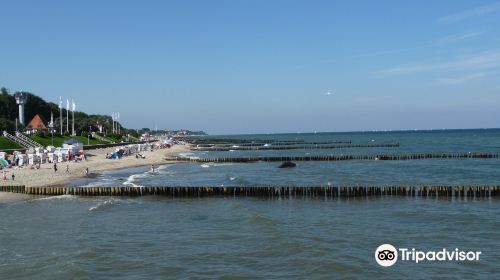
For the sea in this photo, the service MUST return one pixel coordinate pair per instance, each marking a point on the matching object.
(152, 237)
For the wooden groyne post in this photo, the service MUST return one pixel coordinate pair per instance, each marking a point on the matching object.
(326, 192)
(296, 147)
(336, 157)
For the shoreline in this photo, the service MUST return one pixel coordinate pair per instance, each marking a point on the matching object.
(96, 162)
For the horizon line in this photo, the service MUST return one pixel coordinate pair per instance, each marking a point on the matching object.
(358, 131)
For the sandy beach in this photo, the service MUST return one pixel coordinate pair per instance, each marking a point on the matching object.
(96, 162)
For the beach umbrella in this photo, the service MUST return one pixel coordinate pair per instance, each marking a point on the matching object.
(4, 162)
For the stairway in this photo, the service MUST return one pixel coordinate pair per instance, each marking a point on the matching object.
(20, 141)
(100, 138)
(133, 139)
(27, 139)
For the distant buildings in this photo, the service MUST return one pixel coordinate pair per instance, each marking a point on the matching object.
(36, 124)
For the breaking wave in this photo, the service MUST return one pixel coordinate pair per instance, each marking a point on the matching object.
(104, 204)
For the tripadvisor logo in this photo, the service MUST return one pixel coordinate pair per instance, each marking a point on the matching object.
(387, 255)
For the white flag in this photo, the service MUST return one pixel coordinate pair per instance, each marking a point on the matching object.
(73, 105)
(51, 120)
(67, 104)
(60, 102)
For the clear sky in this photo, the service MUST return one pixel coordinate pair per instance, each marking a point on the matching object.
(261, 66)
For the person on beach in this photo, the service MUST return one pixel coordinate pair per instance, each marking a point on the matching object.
(55, 167)
(86, 172)
(67, 168)
(4, 175)
(13, 177)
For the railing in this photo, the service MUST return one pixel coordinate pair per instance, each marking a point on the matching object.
(27, 139)
(132, 138)
(100, 138)
(18, 140)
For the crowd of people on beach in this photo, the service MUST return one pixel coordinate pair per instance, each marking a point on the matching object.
(34, 158)
(138, 148)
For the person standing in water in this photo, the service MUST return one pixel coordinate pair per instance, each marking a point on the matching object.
(152, 168)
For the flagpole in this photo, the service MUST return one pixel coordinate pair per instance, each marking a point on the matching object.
(73, 117)
(60, 114)
(52, 126)
(67, 115)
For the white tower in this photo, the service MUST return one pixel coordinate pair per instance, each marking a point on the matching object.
(21, 100)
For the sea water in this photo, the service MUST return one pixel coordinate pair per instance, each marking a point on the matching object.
(70, 237)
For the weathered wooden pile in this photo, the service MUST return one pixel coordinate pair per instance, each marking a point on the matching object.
(337, 157)
(262, 144)
(290, 147)
(267, 191)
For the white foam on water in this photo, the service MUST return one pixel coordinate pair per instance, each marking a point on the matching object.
(104, 204)
(191, 155)
(221, 164)
(134, 177)
(131, 179)
(212, 164)
(97, 184)
(64, 196)
(163, 167)
(185, 154)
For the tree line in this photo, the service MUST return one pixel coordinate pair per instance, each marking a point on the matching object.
(36, 105)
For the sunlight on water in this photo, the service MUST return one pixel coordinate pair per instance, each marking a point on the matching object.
(68, 237)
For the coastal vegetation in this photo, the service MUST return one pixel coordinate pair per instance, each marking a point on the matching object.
(7, 144)
(59, 140)
(85, 124)
(37, 105)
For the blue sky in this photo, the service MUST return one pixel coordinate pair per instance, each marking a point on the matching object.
(261, 66)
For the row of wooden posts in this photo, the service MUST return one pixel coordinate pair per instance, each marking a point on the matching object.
(336, 157)
(195, 141)
(295, 147)
(250, 144)
(266, 191)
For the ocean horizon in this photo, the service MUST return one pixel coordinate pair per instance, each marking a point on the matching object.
(245, 237)
(250, 140)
